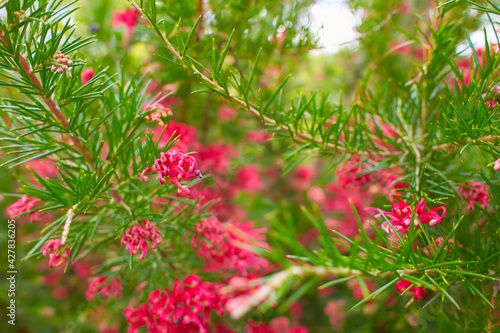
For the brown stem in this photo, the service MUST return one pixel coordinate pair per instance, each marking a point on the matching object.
(201, 23)
(450, 145)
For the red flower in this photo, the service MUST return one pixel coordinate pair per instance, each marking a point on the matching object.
(400, 217)
(87, 75)
(135, 238)
(158, 111)
(225, 113)
(402, 285)
(249, 179)
(186, 134)
(186, 308)
(497, 165)
(259, 137)
(175, 166)
(216, 157)
(228, 247)
(24, 205)
(126, 17)
(475, 192)
(99, 286)
(52, 248)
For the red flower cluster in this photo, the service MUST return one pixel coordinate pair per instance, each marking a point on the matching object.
(228, 247)
(400, 217)
(475, 192)
(52, 249)
(175, 166)
(187, 134)
(402, 285)
(249, 179)
(185, 309)
(24, 205)
(99, 286)
(126, 17)
(135, 238)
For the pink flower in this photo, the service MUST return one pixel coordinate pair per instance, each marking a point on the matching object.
(135, 238)
(354, 173)
(158, 111)
(99, 286)
(249, 179)
(52, 248)
(260, 136)
(216, 157)
(44, 168)
(186, 308)
(225, 113)
(187, 135)
(175, 166)
(336, 312)
(434, 248)
(127, 17)
(475, 192)
(228, 247)
(497, 165)
(402, 285)
(87, 75)
(400, 217)
(24, 205)
(302, 177)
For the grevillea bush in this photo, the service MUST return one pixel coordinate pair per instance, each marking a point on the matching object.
(202, 166)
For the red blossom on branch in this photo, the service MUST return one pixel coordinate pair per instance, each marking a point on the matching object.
(417, 291)
(135, 238)
(87, 75)
(175, 166)
(401, 215)
(475, 192)
(52, 248)
(99, 286)
(158, 111)
(186, 308)
(228, 247)
(24, 205)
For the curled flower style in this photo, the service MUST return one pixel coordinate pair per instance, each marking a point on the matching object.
(228, 247)
(99, 286)
(135, 238)
(52, 248)
(175, 166)
(417, 291)
(401, 215)
(24, 205)
(475, 192)
(186, 308)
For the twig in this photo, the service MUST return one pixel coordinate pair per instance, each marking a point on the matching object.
(51, 104)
